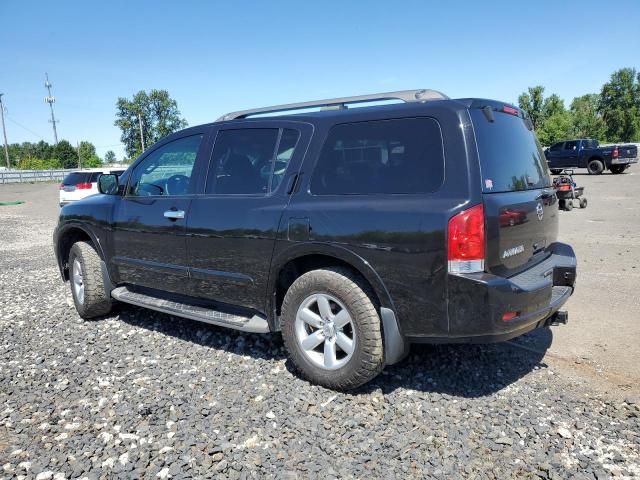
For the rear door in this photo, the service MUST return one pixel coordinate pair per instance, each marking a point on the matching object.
(233, 224)
(520, 206)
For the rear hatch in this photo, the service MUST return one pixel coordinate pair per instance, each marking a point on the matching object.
(73, 179)
(521, 211)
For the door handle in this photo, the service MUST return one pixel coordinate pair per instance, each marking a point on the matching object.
(174, 214)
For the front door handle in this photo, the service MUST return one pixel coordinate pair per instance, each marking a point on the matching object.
(174, 214)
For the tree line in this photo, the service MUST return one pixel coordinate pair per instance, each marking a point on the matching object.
(45, 156)
(612, 115)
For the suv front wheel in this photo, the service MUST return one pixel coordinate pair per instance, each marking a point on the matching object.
(87, 286)
(331, 329)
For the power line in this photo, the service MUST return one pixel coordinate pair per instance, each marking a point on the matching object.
(51, 100)
(25, 128)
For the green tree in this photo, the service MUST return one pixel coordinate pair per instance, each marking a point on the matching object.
(66, 154)
(87, 154)
(160, 117)
(620, 106)
(587, 120)
(532, 102)
(109, 157)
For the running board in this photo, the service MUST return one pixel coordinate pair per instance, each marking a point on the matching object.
(255, 324)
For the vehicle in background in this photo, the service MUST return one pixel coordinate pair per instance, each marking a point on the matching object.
(588, 153)
(353, 231)
(82, 183)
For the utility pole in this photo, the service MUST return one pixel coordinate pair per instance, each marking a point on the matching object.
(78, 150)
(51, 100)
(141, 134)
(4, 131)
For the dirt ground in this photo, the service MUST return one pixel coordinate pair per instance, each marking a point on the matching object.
(601, 342)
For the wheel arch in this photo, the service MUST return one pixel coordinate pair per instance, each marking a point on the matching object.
(66, 237)
(297, 260)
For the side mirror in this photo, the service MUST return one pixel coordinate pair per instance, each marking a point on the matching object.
(108, 184)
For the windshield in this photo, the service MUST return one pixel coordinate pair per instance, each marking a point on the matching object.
(511, 158)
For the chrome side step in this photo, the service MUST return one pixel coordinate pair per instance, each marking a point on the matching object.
(255, 324)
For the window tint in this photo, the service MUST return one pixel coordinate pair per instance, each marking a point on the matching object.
(75, 177)
(570, 146)
(557, 147)
(167, 170)
(250, 160)
(386, 156)
(510, 156)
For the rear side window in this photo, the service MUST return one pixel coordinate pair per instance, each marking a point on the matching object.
(75, 177)
(557, 147)
(381, 157)
(511, 158)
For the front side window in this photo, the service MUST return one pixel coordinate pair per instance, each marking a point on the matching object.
(381, 157)
(167, 170)
(571, 146)
(250, 161)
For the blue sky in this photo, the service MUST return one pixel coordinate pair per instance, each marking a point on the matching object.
(215, 57)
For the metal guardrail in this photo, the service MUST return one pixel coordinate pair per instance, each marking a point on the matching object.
(23, 176)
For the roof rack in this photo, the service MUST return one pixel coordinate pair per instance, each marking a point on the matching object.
(421, 95)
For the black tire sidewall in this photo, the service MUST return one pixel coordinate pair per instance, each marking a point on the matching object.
(96, 301)
(342, 289)
(599, 167)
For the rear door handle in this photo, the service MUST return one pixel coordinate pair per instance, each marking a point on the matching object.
(174, 214)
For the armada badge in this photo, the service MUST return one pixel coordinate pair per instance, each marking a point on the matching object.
(510, 252)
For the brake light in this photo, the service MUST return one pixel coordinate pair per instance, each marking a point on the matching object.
(507, 316)
(466, 241)
(510, 110)
(615, 153)
(83, 186)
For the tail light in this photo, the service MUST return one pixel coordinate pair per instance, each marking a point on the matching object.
(615, 153)
(83, 186)
(466, 241)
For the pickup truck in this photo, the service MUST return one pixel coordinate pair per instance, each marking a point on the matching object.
(587, 153)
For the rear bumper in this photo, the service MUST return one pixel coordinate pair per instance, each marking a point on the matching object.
(624, 161)
(477, 302)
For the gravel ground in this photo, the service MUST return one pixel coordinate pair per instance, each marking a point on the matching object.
(145, 395)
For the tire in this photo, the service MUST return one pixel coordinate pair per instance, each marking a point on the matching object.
(304, 316)
(617, 169)
(87, 286)
(583, 203)
(568, 206)
(595, 167)
(556, 171)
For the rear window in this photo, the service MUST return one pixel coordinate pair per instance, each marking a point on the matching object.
(511, 158)
(381, 157)
(75, 177)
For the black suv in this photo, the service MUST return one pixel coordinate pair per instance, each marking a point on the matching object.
(353, 231)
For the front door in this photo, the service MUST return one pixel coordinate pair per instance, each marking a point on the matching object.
(232, 227)
(149, 221)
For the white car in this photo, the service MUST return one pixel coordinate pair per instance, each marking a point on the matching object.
(82, 183)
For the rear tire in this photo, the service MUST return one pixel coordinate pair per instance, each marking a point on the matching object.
(568, 206)
(595, 167)
(583, 203)
(87, 286)
(617, 169)
(332, 330)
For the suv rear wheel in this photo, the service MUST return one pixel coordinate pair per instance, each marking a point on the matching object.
(331, 329)
(87, 286)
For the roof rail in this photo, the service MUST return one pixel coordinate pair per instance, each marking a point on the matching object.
(404, 95)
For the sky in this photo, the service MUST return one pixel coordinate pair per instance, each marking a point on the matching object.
(220, 56)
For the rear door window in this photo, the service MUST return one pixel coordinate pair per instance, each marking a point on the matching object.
(250, 161)
(399, 156)
(556, 147)
(511, 158)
